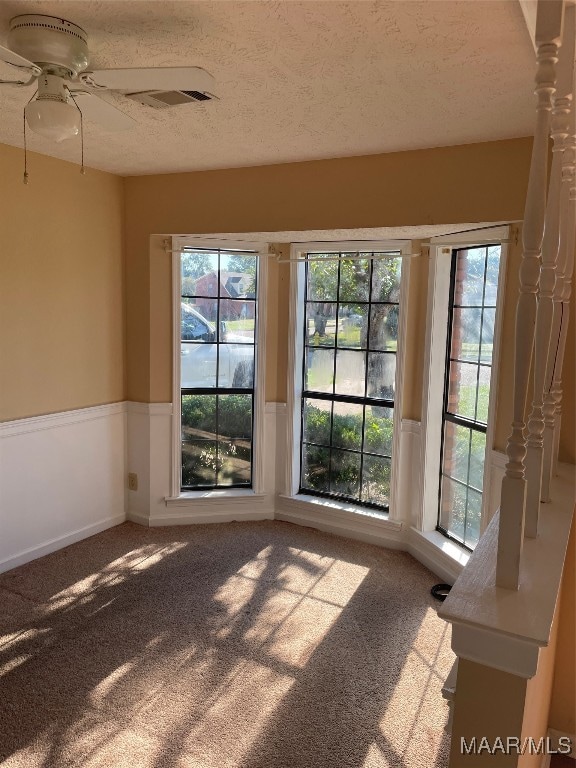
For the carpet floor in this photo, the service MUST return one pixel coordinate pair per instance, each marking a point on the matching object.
(242, 645)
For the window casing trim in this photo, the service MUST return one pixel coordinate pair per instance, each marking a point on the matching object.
(261, 251)
(435, 360)
(296, 351)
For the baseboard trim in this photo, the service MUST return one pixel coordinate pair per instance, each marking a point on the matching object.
(224, 515)
(59, 543)
(372, 530)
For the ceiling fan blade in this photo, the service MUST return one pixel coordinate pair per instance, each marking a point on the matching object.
(151, 79)
(18, 61)
(102, 112)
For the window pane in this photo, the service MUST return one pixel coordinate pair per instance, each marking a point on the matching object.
(319, 370)
(462, 390)
(477, 453)
(350, 375)
(456, 451)
(354, 280)
(376, 473)
(466, 334)
(492, 272)
(386, 279)
(453, 507)
(345, 473)
(234, 462)
(198, 416)
(199, 463)
(483, 394)
(352, 325)
(237, 321)
(237, 276)
(199, 274)
(198, 365)
(197, 320)
(381, 375)
(469, 277)
(236, 366)
(235, 416)
(317, 415)
(320, 324)
(316, 468)
(473, 514)
(488, 336)
(378, 430)
(322, 279)
(384, 327)
(347, 426)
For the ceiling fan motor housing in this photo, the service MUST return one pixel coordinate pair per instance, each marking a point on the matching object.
(49, 42)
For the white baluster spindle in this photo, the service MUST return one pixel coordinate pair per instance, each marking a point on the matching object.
(511, 530)
(570, 237)
(544, 353)
(553, 395)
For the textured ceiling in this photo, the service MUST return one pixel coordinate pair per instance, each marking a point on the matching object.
(297, 80)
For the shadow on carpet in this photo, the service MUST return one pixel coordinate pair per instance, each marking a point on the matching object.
(242, 645)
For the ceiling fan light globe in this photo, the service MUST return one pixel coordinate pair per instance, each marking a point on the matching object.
(54, 120)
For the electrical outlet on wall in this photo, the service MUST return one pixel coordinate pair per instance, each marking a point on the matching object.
(132, 481)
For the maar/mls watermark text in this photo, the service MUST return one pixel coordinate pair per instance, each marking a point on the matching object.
(514, 745)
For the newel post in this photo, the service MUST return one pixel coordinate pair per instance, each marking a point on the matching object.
(551, 279)
(511, 530)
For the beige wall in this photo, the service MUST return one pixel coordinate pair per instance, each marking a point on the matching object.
(61, 287)
(563, 705)
(277, 327)
(535, 722)
(479, 182)
(488, 703)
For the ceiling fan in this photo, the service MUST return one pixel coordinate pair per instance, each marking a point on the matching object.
(54, 53)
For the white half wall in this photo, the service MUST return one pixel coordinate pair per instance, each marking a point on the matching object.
(62, 478)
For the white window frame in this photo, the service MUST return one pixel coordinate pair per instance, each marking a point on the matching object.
(296, 351)
(435, 362)
(262, 254)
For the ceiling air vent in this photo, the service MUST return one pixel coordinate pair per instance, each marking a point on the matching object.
(163, 99)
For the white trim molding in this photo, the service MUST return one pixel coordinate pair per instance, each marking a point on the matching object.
(260, 250)
(296, 351)
(435, 362)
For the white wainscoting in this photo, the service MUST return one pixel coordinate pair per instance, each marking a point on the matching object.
(61, 479)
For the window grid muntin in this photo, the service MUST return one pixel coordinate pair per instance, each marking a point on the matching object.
(473, 425)
(218, 390)
(333, 397)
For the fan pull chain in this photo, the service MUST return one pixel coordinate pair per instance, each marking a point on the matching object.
(82, 169)
(25, 177)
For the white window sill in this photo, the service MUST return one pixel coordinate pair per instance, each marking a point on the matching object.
(189, 498)
(336, 509)
(445, 546)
